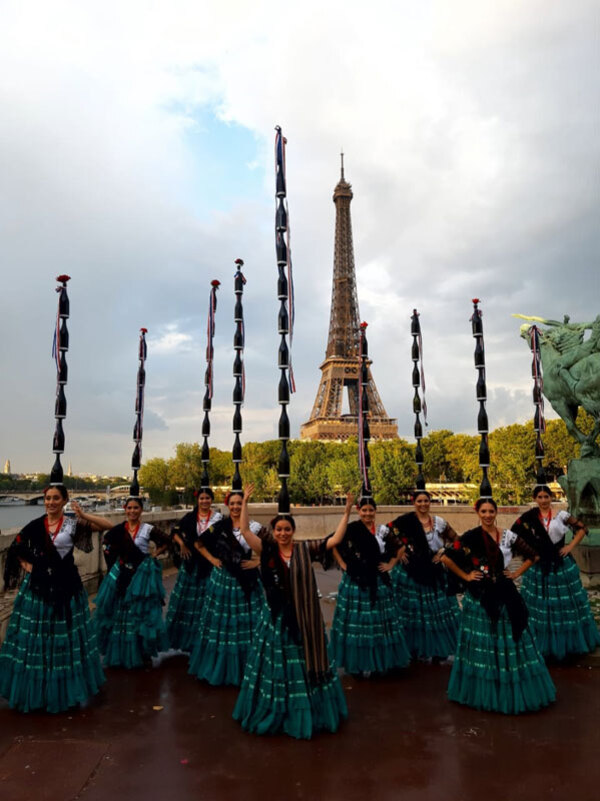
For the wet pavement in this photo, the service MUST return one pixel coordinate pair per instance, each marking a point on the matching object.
(159, 733)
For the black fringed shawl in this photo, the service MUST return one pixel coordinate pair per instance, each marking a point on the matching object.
(360, 551)
(292, 592)
(54, 579)
(420, 566)
(476, 550)
(119, 544)
(531, 529)
(220, 540)
(188, 531)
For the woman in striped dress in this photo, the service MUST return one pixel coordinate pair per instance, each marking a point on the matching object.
(366, 634)
(289, 685)
(49, 659)
(128, 616)
(497, 665)
(430, 615)
(233, 600)
(559, 609)
(185, 603)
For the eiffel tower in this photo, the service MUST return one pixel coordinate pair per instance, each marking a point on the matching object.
(340, 370)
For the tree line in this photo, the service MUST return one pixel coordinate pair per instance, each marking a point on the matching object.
(322, 472)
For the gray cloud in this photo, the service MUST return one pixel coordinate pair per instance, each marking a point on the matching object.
(472, 147)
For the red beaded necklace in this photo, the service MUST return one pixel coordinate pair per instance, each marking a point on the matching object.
(57, 531)
(133, 534)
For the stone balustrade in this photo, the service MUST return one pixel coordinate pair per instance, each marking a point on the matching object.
(312, 522)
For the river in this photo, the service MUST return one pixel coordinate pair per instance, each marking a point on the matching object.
(11, 516)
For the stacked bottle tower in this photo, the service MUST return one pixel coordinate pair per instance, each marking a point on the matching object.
(485, 488)
(364, 433)
(208, 383)
(418, 380)
(285, 318)
(539, 422)
(136, 459)
(59, 350)
(239, 387)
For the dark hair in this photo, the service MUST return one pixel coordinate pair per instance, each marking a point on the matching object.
(288, 518)
(414, 495)
(366, 502)
(480, 501)
(204, 491)
(61, 488)
(542, 488)
(139, 502)
(231, 493)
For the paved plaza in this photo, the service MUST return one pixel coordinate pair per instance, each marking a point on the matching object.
(161, 734)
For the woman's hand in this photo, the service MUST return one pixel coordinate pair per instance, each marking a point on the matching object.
(385, 567)
(402, 555)
(184, 551)
(349, 503)
(566, 550)
(78, 510)
(512, 576)
(474, 575)
(248, 491)
(216, 562)
(27, 566)
(250, 564)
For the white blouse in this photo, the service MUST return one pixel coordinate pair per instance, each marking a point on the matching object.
(558, 526)
(63, 541)
(142, 538)
(254, 528)
(202, 525)
(507, 540)
(380, 535)
(434, 537)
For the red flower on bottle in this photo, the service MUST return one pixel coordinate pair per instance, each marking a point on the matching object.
(63, 278)
(456, 545)
(475, 561)
(215, 283)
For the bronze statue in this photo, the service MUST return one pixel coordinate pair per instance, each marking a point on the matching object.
(571, 379)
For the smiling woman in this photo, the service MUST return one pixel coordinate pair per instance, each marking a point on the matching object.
(49, 659)
(290, 686)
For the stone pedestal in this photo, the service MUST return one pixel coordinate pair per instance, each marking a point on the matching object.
(582, 488)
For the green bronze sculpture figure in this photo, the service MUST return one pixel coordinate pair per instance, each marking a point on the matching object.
(571, 379)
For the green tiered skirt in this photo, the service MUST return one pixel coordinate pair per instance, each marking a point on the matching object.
(494, 673)
(367, 637)
(224, 634)
(276, 697)
(430, 618)
(47, 662)
(560, 616)
(185, 606)
(130, 628)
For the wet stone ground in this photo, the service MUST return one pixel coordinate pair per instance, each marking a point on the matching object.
(159, 734)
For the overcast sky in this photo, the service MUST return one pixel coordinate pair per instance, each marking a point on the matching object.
(136, 155)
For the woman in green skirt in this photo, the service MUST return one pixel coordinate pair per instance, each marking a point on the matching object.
(128, 617)
(366, 634)
(559, 609)
(49, 659)
(430, 615)
(497, 665)
(289, 685)
(185, 603)
(233, 600)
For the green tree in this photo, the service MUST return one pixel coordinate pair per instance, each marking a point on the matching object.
(435, 455)
(392, 470)
(154, 477)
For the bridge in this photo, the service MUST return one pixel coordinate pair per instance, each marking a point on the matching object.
(36, 497)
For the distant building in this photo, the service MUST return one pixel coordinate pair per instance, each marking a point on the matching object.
(7, 467)
(70, 471)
